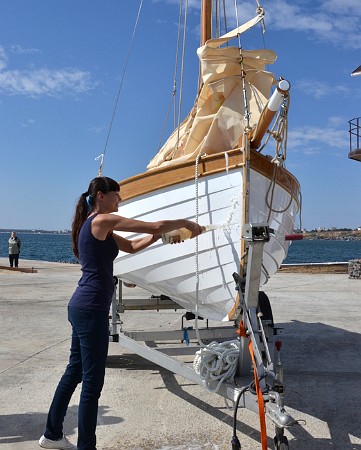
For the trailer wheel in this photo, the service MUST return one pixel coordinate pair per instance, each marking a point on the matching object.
(281, 442)
(264, 306)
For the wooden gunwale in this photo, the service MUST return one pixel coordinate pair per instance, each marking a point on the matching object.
(164, 177)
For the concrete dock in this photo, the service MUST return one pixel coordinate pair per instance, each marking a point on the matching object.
(145, 407)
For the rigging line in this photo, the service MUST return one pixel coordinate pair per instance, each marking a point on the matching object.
(225, 18)
(237, 22)
(182, 73)
(260, 10)
(263, 29)
(271, 188)
(196, 253)
(174, 91)
(218, 19)
(120, 87)
(247, 115)
(221, 18)
(263, 33)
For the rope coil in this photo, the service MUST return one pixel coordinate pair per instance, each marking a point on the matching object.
(217, 362)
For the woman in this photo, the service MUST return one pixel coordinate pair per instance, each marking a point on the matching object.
(96, 246)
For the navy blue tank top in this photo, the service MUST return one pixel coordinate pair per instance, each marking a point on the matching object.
(96, 286)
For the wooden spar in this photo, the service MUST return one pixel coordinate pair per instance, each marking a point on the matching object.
(269, 112)
(206, 21)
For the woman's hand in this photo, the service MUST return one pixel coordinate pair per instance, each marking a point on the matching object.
(194, 227)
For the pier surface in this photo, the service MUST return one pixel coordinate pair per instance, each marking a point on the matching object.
(145, 407)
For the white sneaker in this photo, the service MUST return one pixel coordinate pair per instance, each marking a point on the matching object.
(61, 444)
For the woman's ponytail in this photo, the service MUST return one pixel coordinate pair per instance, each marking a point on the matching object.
(80, 215)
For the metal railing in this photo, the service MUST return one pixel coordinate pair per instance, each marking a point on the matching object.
(355, 133)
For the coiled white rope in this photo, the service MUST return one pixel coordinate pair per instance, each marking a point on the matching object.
(217, 362)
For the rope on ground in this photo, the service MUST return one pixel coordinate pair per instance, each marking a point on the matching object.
(217, 362)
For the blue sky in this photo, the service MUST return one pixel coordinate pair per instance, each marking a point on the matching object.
(61, 62)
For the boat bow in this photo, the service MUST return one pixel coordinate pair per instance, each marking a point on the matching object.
(210, 171)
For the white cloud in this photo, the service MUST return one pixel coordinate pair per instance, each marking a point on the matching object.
(191, 3)
(3, 58)
(337, 121)
(27, 123)
(350, 6)
(311, 140)
(50, 82)
(333, 21)
(44, 82)
(319, 89)
(97, 129)
(19, 49)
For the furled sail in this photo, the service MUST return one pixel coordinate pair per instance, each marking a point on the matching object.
(217, 121)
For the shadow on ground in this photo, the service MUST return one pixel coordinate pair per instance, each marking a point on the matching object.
(322, 372)
(12, 429)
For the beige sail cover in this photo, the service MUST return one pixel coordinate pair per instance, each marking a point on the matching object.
(217, 121)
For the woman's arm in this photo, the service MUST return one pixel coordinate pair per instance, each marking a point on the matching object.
(135, 245)
(103, 224)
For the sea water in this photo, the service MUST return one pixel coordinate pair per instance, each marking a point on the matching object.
(323, 250)
(57, 248)
(41, 246)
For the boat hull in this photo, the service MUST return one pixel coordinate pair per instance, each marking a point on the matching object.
(197, 274)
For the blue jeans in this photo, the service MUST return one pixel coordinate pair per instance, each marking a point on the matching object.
(88, 353)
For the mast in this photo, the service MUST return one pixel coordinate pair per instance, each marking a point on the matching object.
(206, 30)
(206, 21)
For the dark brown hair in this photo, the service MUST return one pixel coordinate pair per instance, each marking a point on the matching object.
(86, 204)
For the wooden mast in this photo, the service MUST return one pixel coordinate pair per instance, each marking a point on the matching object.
(206, 21)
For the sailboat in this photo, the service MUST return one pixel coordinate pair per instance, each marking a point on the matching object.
(223, 166)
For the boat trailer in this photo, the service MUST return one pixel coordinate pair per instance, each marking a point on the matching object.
(258, 380)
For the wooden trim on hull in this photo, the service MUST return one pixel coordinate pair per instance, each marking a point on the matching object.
(164, 177)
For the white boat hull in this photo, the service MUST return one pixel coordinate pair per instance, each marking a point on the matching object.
(198, 276)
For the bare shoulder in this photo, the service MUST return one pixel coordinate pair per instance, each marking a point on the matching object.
(102, 224)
